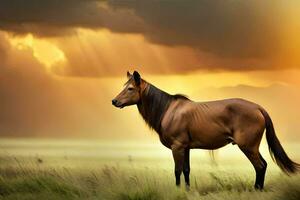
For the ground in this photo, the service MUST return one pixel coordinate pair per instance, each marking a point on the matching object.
(82, 169)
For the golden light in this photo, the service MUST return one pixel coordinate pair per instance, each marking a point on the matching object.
(43, 50)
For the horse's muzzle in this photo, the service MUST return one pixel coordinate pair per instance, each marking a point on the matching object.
(114, 102)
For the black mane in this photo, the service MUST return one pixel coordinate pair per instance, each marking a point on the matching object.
(154, 104)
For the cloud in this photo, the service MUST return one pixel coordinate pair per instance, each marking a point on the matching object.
(226, 28)
(60, 17)
(230, 35)
(103, 53)
(32, 101)
(25, 90)
(4, 46)
(222, 27)
(36, 103)
(224, 35)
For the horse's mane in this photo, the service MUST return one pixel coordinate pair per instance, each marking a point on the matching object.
(154, 104)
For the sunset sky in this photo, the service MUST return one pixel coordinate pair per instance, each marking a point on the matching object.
(62, 61)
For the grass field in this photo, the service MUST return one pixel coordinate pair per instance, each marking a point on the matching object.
(82, 169)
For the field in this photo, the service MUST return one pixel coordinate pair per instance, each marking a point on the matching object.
(131, 170)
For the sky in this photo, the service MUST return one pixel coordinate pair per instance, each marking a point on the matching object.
(62, 61)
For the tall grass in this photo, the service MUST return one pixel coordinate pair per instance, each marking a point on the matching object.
(36, 181)
(46, 169)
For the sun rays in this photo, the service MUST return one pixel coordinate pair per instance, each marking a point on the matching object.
(43, 50)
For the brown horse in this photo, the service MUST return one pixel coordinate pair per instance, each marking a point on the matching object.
(183, 124)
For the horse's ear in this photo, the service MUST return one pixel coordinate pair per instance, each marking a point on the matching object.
(129, 75)
(137, 78)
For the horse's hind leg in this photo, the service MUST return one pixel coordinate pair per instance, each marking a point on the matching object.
(248, 139)
(260, 166)
(263, 171)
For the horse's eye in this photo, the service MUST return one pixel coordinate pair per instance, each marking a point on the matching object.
(130, 89)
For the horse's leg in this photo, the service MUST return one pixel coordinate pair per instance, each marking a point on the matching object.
(262, 173)
(178, 155)
(260, 166)
(186, 167)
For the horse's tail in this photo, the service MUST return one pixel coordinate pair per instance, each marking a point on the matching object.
(276, 150)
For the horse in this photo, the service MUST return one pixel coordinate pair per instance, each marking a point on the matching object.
(183, 124)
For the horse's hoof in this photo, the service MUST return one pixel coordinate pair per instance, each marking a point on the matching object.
(258, 187)
(187, 188)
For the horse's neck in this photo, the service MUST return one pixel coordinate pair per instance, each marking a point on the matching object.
(153, 105)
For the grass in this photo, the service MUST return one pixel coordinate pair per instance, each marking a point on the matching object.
(111, 182)
(66, 177)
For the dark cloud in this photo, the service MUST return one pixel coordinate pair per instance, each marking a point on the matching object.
(239, 29)
(226, 28)
(230, 35)
(60, 17)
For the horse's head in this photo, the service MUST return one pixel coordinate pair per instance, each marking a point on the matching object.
(130, 95)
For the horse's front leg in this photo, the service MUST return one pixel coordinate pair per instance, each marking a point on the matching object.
(178, 155)
(186, 167)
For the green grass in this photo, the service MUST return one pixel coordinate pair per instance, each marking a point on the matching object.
(68, 176)
(111, 182)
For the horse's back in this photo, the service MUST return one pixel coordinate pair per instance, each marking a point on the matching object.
(213, 122)
(235, 106)
(230, 102)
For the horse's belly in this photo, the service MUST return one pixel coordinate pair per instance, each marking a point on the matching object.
(205, 145)
(209, 139)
